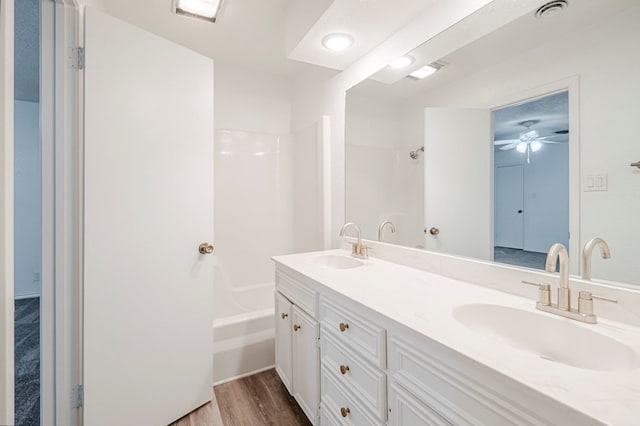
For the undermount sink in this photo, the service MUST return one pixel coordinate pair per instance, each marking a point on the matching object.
(334, 261)
(549, 338)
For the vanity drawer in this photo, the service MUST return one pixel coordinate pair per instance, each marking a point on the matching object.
(344, 408)
(408, 411)
(356, 375)
(298, 293)
(363, 336)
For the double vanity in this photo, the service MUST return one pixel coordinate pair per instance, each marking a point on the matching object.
(408, 337)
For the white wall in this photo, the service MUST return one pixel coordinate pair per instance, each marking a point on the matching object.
(251, 100)
(382, 181)
(546, 194)
(27, 225)
(253, 200)
(605, 59)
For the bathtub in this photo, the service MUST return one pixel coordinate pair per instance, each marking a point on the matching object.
(243, 331)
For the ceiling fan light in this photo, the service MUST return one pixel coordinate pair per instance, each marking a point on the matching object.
(535, 146)
(529, 135)
(522, 147)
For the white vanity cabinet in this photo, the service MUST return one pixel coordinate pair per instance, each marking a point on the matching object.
(297, 334)
(378, 366)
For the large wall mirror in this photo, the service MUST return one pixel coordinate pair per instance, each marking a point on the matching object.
(495, 150)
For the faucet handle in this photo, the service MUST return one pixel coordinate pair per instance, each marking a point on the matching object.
(544, 292)
(585, 302)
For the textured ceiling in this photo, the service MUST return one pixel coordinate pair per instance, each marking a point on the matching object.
(27, 50)
(550, 112)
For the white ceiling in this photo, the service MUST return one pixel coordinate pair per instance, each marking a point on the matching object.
(369, 22)
(281, 37)
(522, 34)
(551, 114)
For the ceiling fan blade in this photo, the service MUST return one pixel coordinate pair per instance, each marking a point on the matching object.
(551, 142)
(506, 141)
(551, 136)
(509, 147)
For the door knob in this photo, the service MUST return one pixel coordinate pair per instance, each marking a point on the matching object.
(519, 211)
(434, 231)
(205, 248)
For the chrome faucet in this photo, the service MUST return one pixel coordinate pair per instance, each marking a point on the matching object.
(381, 228)
(587, 252)
(564, 294)
(584, 313)
(357, 249)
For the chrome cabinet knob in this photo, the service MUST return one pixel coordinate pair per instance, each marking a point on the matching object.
(284, 315)
(343, 326)
(296, 327)
(345, 411)
(344, 369)
(205, 248)
(434, 231)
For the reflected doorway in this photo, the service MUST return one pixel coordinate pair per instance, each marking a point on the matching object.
(531, 179)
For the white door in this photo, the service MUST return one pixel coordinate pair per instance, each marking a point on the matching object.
(509, 208)
(306, 363)
(284, 366)
(457, 161)
(148, 205)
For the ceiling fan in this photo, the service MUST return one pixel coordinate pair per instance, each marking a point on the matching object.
(529, 140)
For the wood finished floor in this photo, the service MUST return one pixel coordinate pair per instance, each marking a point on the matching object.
(256, 400)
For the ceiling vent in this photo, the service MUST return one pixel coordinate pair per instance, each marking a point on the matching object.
(551, 8)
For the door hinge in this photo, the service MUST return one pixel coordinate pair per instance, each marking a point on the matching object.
(77, 397)
(77, 58)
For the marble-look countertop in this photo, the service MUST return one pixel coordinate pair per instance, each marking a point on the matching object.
(424, 302)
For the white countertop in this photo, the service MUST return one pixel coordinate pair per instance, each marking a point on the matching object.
(424, 302)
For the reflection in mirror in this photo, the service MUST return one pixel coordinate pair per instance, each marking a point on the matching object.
(431, 154)
(531, 180)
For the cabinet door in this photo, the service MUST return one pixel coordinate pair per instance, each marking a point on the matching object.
(306, 363)
(408, 411)
(284, 367)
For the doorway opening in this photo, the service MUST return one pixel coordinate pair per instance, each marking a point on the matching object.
(27, 212)
(531, 179)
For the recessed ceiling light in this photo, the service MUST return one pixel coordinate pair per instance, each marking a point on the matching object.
(203, 9)
(402, 62)
(423, 72)
(337, 41)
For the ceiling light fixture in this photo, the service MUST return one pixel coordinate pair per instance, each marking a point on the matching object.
(402, 62)
(201, 9)
(423, 72)
(535, 146)
(337, 41)
(522, 147)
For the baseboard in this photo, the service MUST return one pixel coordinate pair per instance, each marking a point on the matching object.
(27, 296)
(241, 376)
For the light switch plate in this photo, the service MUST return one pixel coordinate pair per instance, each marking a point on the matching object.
(592, 183)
